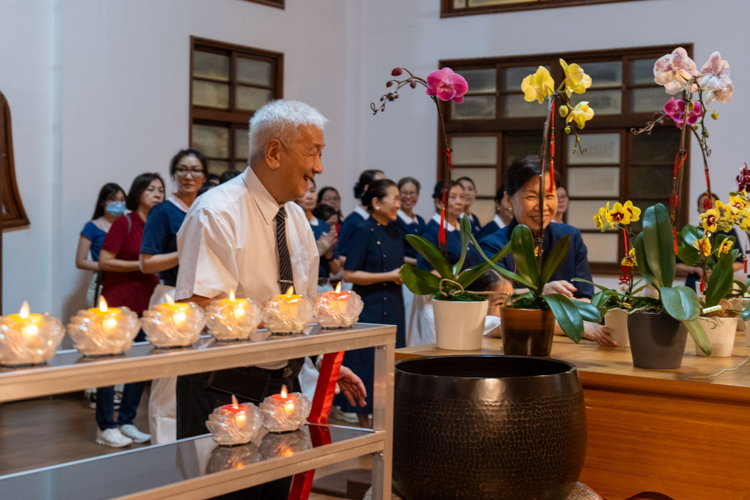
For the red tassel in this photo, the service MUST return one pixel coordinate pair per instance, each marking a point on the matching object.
(707, 202)
(703, 285)
(441, 234)
(552, 151)
(674, 238)
(745, 264)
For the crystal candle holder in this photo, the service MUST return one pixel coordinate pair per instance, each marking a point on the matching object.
(285, 412)
(287, 314)
(234, 423)
(336, 309)
(234, 319)
(173, 325)
(29, 339)
(237, 457)
(284, 445)
(104, 330)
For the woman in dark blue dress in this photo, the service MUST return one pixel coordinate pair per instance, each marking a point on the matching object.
(409, 222)
(470, 196)
(360, 213)
(376, 254)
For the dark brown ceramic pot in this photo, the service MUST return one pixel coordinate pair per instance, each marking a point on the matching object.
(527, 332)
(657, 341)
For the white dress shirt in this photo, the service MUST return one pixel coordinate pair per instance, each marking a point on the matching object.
(497, 220)
(408, 220)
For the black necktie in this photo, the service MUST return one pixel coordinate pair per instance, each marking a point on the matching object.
(286, 278)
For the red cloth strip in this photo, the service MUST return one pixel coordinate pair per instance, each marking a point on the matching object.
(552, 149)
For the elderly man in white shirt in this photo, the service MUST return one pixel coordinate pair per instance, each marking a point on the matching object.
(249, 236)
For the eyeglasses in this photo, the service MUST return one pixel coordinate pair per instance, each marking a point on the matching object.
(184, 172)
(331, 198)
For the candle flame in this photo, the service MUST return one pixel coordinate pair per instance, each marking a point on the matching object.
(284, 393)
(234, 403)
(103, 304)
(168, 299)
(338, 287)
(290, 291)
(231, 295)
(24, 313)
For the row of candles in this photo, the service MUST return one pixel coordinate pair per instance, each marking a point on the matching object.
(28, 339)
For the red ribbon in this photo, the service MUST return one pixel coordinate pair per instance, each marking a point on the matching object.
(703, 285)
(442, 240)
(552, 151)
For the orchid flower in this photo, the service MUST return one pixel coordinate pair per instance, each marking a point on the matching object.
(717, 81)
(575, 79)
(538, 86)
(675, 109)
(629, 259)
(447, 85)
(705, 244)
(673, 71)
(743, 180)
(581, 114)
(710, 220)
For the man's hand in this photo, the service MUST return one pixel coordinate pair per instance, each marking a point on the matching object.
(564, 288)
(599, 334)
(352, 387)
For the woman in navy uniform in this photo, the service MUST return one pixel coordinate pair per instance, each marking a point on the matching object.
(360, 213)
(470, 196)
(376, 253)
(408, 221)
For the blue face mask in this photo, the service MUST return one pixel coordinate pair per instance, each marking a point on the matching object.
(116, 209)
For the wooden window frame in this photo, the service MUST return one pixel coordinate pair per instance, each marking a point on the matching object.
(279, 4)
(447, 9)
(231, 118)
(504, 127)
(14, 215)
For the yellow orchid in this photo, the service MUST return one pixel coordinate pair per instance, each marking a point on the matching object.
(600, 219)
(619, 214)
(726, 246)
(635, 212)
(705, 244)
(575, 79)
(710, 220)
(629, 259)
(580, 114)
(538, 86)
(743, 219)
(739, 203)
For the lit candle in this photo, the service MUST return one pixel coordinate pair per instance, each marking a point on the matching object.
(337, 309)
(287, 400)
(287, 313)
(29, 324)
(177, 311)
(290, 302)
(285, 412)
(238, 411)
(338, 300)
(107, 316)
(237, 306)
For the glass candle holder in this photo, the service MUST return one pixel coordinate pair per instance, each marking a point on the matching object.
(234, 319)
(285, 412)
(236, 457)
(284, 445)
(336, 309)
(234, 423)
(104, 330)
(29, 339)
(287, 314)
(171, 325)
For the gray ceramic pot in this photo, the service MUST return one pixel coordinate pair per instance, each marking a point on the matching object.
(487, 427)
(657, 341)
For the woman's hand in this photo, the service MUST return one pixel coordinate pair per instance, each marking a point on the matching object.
(599, 334)
(326, 244)
(564, 288)
(352, 387)
(395, 276)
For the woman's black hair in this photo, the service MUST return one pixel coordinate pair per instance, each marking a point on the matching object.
(323, 191)
(228, 176)
(140, 184)
(437, 194)
(500, 193)
(324, 212)
(107, 191)
(378, 189)
(486, 282)
(521, 172)
(464, 178)
(182, 154)
(365, 179)
(407, 180)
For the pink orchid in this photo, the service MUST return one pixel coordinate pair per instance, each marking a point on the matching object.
(673, 71)
(675, 109)
(717, 81)
(447, 85)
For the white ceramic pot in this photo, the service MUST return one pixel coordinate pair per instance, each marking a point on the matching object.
(720, 332)
(617, 321)
(459, 325)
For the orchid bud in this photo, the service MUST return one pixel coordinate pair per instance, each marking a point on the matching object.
(705, 133)
(395, 96)
(389, 83)
(715, 115)
(396, 71)
(413, 84)
(567, 130)
(695, 127)
(564, 111)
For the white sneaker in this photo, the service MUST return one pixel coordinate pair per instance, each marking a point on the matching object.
(112, 437)
(133, 433)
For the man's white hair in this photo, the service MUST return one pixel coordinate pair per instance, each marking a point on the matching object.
(280, 120)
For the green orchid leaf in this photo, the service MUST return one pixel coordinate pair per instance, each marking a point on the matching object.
(699, 335)
(468, 277)
(503, 272)
(689, 255)
(600, 287)
(659, 244)
(419, 281)
(554, 259)
(719, 283)
(567, 316)
(680, 302)
(522, 248)
(600, 299)
(689, 235)
(741, 286)
(588, 311)
(465, 239)
(431, 255)
(642, 262)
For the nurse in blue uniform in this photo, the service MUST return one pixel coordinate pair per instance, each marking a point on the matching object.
(522, 185)
(360, 213)
(503, 214)
(470, 196)
(376, 254)
(409, 223)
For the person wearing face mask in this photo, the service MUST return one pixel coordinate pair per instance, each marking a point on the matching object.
(470, 196)
(125, 285)
(522, 186)
(109, 206)
(503, 214)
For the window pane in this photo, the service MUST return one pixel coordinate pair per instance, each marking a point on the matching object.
(480, 80)
(485, 179)
(210, 94)
(648, 100)
(600, 148)
(604, 73)
(604, 102)
(657, 148)
(594, 181)
(241, 143)
(642, 71)
(516, 107)
(211, 141)
(484, 210)
(651, 182)
(217, 167)
(253, 71)
(459, 4)
(482, 3)
(514, 76)
(208, 65)
(602, 247)
(251, 98)
(521, 146)
(240, 166)
(480, 107)
(474, 150)
(581, 212)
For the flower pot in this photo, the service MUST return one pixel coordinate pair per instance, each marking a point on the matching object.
(459, 325)
(657, 341)
(487, 428)
(617, 321)
(527, 332)
(721, 333)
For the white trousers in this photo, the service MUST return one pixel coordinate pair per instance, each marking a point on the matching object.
(421, 329)
(162, 403)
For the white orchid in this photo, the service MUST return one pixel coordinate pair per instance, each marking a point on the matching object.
(674, 70)
(716, 80)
